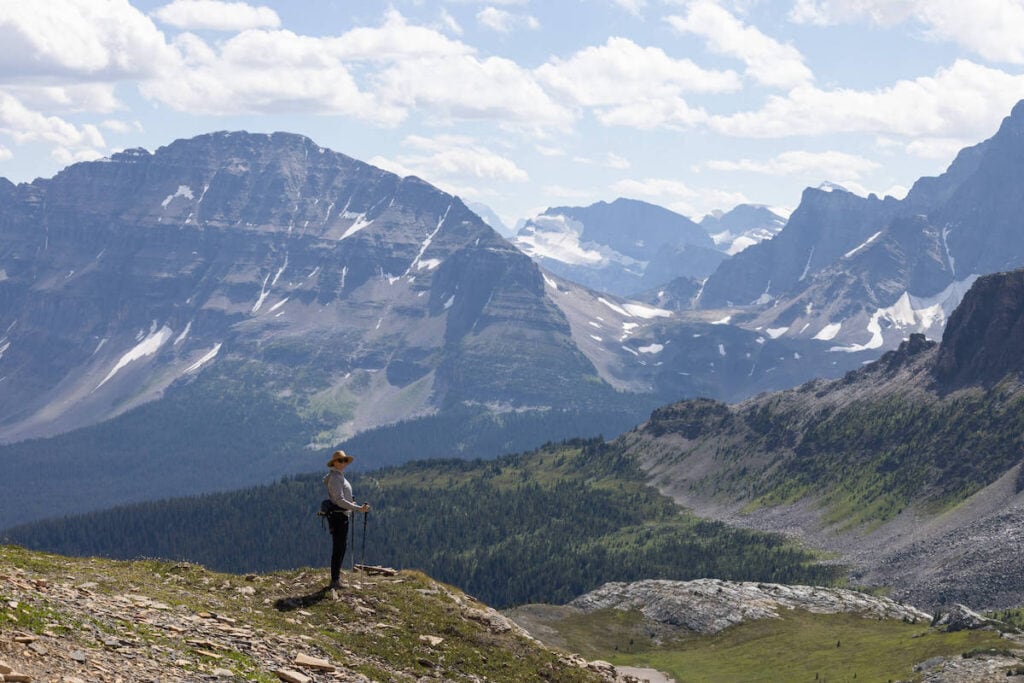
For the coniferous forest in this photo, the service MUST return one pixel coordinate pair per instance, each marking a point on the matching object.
(542, 527)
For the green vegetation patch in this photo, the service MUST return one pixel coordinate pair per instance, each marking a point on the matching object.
(801, 646)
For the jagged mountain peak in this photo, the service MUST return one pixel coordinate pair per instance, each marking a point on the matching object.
(983, 339)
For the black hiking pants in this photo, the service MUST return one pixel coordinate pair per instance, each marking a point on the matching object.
(338, 522)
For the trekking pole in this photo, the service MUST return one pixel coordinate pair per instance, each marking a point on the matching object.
(362, 556)
(352, 528)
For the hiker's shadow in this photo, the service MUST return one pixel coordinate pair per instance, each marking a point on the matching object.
(292, 603)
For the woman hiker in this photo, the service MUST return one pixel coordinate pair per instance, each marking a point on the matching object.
(340, 493)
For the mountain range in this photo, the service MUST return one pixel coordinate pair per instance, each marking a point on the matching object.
(247, 301)
(628, 246)
(862, 273)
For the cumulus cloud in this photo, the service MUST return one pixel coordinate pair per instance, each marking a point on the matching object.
(632, 85)
(410, 68)
(26, 125)
(396, 39)
(451, 159)
(831, 164)
(261, 71)
(503, 21)
(964, 100)
(767, 61)
(5, 153)
(216, 15)
(73, 97)
(79, 40)
(990, 28)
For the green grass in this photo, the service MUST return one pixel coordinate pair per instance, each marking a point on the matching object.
(806, 647)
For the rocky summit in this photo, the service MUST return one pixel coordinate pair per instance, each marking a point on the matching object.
(70, 620)
(373, 296)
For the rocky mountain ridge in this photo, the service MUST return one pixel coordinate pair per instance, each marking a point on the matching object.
(862, 273)
(899, 466)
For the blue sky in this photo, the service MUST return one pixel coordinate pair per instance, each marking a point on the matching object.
(696, 105)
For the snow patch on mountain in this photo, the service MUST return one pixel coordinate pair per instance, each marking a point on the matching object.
(829, 332)
(182, 191)
(557, 237)
(862, 245)
(147, 347)
(210, 355)
(910, 314)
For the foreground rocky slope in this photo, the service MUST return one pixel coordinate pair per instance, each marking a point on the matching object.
(69, 620)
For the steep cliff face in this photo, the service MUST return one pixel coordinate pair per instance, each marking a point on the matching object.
(122, 276)
(985, 335)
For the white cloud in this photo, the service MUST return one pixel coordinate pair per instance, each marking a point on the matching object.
(449, 158)
(634, 7)
(678, 196)
(654, 187)
(632, 85)
(503, 21)
(829, 164)
(397, 39)
(73, 97)
(260, 71)
(609, 160)
(448, 22)
(468, 88)
(78, 40)
(66, 157)
(563, 195)
(26, 125)
(216, 15)
(410, 68)
(965, 100)
(768, 61)
(122, 127)
(936, 148)
(5, 153)
(990, 28)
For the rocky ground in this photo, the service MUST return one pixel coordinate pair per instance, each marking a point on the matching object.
(73, 621)
(707, 606)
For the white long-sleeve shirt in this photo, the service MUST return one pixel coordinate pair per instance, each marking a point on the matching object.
(340, 492)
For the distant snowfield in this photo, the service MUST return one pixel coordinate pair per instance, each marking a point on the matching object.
(913, 314)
